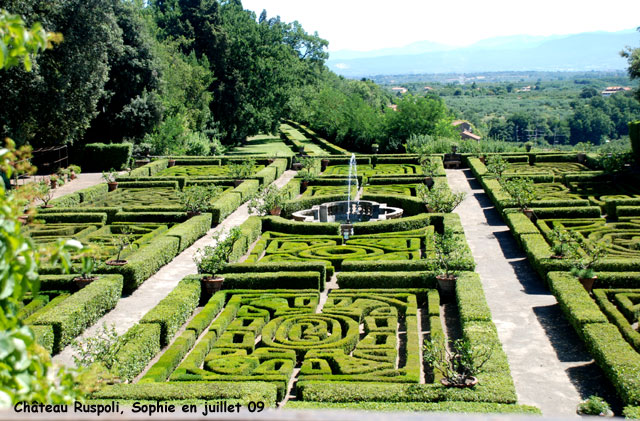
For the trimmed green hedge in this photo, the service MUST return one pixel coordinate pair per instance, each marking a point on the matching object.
(360, 280)
(284, 266)
(279, 224)
(188, 232)
(174, 309)
(95, 157)
(146, 261)
(139, 345)
(81, 310)
(462, 407)
(72, 217)
(472, 304)
(170, 359)
(213, 391)
(619, 361)
(44, 337)
(272, 280)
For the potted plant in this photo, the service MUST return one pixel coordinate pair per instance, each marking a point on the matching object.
(307, 177)
(522, 191)
(528, 146)
(110, 178)
(454, 148)
(324, 163)
(439, 199)
(74, 170)
(64, 174)
(594, 405)
(268, 201)
(448, 256)
(44, 192)
(460, 364)
(55, 181)
(212, 259)
(562, 245)
(429, 168)
(482, 159)
(497, 165)
(241, 170)
(585, 260)
(120, 242)
(171, 163)
(87, 264)
(197, 199)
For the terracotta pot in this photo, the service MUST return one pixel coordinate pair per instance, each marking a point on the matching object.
(72, 175)
(24, 219)
(46, 206)
(303, 186)
(528, 213)
(300, 149)
(210, 286)
(236, 183)
(324, 164)
(271, 161)
(191, 214)
(141, 162)
(116, 262)
(428, 181)
(296, 167)
(81, 282)
(582, 158)
(53, 183)
(113, 185)
(587, 283)
(276, 211)
(469, 382)
(172, 163)
(447, 286)
(430, 209)
(482, 159)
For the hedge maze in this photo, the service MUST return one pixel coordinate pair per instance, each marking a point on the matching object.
(577, 204)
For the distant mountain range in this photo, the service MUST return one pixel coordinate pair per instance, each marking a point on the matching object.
(580, 52)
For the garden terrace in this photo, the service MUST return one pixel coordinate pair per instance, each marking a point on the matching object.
(325, 144)
(361, 346)
(262, 145)
(608, 324)
(59, 311)
(299, 142)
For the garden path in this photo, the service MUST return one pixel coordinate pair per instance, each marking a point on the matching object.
(549, 363)
(130, 310)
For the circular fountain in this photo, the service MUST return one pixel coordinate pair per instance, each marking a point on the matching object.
(350, 210)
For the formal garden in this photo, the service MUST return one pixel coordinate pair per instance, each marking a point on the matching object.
(372, 309)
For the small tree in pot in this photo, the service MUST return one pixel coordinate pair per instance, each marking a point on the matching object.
(110, 178)
(562, 245)
(522, 191)
(459, 364)
(87, 257)
(44, 192)
(585, 258)
(497, 165)
(440, 198)
(120, 242)
(429, 168)
(212, 259)
(197, 199)
(448, 256)
(239, 171)
(307, 177)
(268, 201)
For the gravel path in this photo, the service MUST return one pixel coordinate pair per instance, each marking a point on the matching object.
(549, 363)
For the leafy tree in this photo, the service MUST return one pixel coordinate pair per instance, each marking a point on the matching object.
(633, 57)
(56, 102)
(589, 124)
(130, 107)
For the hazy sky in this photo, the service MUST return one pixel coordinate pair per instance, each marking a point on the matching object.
(371, 24)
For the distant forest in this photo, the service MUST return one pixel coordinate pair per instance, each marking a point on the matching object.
(195, 76)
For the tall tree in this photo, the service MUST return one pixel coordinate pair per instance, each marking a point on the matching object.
(56, 102)
(633, 57)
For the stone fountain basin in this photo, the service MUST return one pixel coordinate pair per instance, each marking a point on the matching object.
(351, 211)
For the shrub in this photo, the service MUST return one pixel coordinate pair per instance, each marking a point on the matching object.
(137, 347)
(458, 362)
(522, 190)
(212, 259)
(100, 157)
(268, 199)
(198, 198)
(496, 165)
(440, 199)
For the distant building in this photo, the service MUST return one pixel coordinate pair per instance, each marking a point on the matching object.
(428, 88)
(399, 89)
(610, 90)
(525, 89)
(394, 107)
(466, 130)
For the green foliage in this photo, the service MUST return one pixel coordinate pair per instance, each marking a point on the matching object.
(439, 198)
(448, 252)
(198, 198)
(100, 348)
(497, 165)
(96, 157)
(212, 259)
(634, 135)
(241, 170)
(458, 362)
(522, 190)
(269, 198)
(19, 43)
